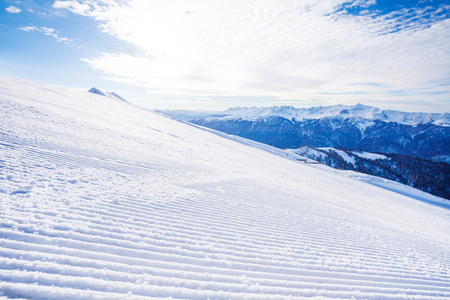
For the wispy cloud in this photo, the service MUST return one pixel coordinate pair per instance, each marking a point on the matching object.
(304, 50)
(13, 10)
(49, 32)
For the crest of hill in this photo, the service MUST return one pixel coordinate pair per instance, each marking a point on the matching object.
(112, 95)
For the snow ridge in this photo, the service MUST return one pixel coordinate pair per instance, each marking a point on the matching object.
(140, 206)
(100, 92)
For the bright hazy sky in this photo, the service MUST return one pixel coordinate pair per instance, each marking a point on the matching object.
(214, 54)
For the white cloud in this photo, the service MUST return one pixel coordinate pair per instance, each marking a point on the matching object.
(306, 50)
(76, 7)
(47, 31)
(13, 10)
(28, 28)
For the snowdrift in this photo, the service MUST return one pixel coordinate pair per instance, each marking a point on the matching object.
(101, 199)
(112, 95)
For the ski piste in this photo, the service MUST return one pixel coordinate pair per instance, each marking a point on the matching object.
(101, 199)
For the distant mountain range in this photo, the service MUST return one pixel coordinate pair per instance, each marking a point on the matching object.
(424, 135)
(410, 148)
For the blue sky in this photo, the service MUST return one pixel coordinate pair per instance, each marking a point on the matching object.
(186, 54)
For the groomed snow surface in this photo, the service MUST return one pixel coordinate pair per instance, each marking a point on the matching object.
(103, 200)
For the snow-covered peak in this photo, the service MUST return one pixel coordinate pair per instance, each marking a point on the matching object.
(100, 92)
(97, 91)
(254, 113)
(358, 112)
(288, 112)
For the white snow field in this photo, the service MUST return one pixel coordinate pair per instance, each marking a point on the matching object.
(101, 199)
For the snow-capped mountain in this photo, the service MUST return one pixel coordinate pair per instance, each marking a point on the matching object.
(101, 199)
(355, 113)
(425, 135)
(422, 174)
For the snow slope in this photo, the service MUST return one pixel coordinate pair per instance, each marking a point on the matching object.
(368, 155)
(103, 200)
